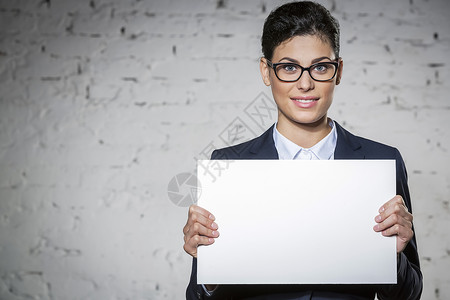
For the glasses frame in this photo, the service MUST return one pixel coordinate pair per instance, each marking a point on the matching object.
(274, 67)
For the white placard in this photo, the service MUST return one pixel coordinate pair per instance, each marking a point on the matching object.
(297, 222)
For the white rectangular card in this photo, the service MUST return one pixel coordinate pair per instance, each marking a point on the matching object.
(296, 222)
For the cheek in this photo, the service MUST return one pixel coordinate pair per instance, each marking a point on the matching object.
(280, 88)
(280, 94)
(329, 91)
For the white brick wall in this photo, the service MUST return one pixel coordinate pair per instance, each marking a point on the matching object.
(103, 102)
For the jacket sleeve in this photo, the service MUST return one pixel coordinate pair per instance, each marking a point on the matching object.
(409, 277)
(194, 291)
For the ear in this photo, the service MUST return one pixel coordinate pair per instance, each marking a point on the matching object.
(265, 71)
(339, 71)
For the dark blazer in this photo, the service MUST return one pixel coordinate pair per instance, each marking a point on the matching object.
(409, 277)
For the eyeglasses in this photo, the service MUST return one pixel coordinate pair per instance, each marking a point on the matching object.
(291, 72)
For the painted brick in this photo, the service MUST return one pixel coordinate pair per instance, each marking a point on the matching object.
(103, 102)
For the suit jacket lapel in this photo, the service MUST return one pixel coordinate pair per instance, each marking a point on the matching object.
(348, 146)
(264, 146)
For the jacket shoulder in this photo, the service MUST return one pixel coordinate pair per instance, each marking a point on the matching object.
(353, 146)
(239, 151)
(376, 149)
(261, 147)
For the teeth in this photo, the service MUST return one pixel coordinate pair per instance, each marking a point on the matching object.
(305, 101)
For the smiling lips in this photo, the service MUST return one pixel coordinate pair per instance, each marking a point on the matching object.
(305, 102)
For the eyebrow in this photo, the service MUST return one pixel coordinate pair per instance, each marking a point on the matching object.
(315, 60)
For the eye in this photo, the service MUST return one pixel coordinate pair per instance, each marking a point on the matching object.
(322, 68)
(288, 68)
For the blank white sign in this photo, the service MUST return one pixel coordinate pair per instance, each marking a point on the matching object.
(297, 222)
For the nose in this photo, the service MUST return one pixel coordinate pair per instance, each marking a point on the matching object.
(305, 82)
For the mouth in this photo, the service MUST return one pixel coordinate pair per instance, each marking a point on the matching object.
(305, 102)
(305, 99)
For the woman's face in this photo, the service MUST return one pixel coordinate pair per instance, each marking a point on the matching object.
(304, 102)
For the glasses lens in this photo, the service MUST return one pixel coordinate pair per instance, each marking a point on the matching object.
(288, 72)
(322, 71)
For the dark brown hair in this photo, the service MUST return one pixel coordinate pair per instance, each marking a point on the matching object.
(299, 19)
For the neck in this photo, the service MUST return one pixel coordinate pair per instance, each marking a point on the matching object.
(304, 135)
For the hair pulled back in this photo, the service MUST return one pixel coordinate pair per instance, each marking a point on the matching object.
(299, 19)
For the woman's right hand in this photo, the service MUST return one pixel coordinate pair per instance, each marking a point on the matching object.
(200, 229)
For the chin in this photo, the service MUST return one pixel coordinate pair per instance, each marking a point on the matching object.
(309, 120)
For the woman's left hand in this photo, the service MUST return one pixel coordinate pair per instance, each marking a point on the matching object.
(395, 220)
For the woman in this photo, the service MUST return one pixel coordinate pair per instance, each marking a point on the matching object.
(302, 66)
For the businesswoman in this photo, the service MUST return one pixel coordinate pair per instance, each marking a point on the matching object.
(301, 64)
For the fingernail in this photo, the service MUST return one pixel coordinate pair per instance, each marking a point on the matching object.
(376, 227)
(381, 209)
(214, 225)
(378, 218)
(214, 233)
(212, 217)
(211, 240)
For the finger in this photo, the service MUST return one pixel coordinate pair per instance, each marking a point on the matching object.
(196, 222)
(394, 206)
(198, 229)
(399, 211)
(391, 221)
(189, 228)
(395, 201)
(402, 232)
(200, 210)
(192, 244)
(199, 215)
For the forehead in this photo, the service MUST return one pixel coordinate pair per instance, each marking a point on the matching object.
(303, 48)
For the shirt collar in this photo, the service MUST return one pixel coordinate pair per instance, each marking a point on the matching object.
(323, 150)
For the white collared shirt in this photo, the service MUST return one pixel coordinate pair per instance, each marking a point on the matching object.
(323, 150)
